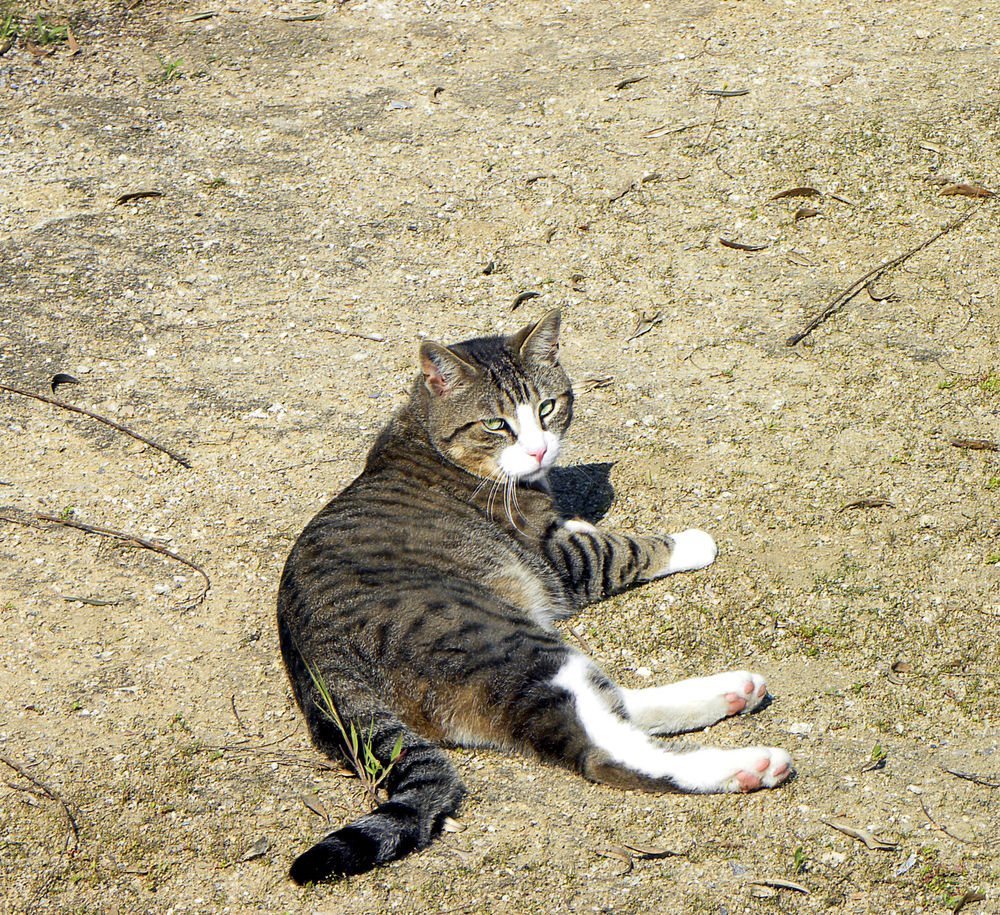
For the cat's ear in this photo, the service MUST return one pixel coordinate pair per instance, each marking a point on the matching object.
(443, 369)
(540, 340)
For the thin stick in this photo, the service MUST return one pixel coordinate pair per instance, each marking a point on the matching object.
(183, 461)
(236, 715)
(944, 829)
(118, 535)
(845, 296)
(47, 792)
(983, 780)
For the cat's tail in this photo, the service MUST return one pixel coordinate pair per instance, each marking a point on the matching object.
(424, 790)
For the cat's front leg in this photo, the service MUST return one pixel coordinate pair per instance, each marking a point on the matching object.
(595, 564)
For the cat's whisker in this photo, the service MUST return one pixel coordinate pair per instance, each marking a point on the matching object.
(510, 498)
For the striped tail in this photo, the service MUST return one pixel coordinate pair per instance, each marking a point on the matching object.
(424, 789)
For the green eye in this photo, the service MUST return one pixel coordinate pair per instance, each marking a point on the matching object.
(546, 407)
(494, 425)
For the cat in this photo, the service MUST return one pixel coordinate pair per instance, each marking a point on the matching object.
(422, 601)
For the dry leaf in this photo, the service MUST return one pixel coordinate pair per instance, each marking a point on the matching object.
(316, 806)
(523, 297)
(782, 885)
(965, 190)
(257, 849)
(740, 246)
(645, 324)
(62, 378)
(72, 45)
(452, 825)
(804, 213)
(797, 192)
(136, 195)
(839, 78)
(651, 851)
(598, 381)
(726, 93)
(616, 851)
(842, 824)
(631, 81)
(197, 17)
(866, 503)
(966, 898)
(976, 444)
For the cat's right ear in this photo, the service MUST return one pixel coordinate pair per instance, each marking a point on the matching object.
(540, 340)
(443, 370)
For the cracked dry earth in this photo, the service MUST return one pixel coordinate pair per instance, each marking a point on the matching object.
(337, 181)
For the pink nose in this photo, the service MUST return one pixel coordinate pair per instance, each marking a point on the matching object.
(538, 453)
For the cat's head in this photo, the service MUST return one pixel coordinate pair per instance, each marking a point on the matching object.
(498, 406)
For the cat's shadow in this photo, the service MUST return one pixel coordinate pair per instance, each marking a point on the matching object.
(583, 491)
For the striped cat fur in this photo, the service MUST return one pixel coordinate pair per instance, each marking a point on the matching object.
(424, 596)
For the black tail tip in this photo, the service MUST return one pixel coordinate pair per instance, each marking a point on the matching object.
(327, 860)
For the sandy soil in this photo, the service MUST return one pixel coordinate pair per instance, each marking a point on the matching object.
(333, 188)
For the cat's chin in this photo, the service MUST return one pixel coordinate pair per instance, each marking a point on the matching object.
(537, 478)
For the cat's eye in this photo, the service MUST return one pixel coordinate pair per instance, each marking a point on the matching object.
(545, 408)
(494, 425)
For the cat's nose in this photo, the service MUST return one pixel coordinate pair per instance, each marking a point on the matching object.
(538, 453)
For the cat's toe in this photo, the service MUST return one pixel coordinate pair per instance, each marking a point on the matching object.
(742, 691)
(692, 549)
(768, 770)
(755, 691)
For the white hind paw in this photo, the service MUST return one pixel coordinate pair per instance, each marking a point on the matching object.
(757, 767)
(711, 771)
(693, 549)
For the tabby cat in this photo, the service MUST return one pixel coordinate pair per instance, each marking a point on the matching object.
(423, 598)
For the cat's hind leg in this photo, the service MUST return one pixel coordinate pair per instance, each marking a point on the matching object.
(598, 738)
(689, 705)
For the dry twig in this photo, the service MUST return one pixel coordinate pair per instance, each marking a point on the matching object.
(845, 296)
(29, 519)
(73, 836)
(183, 461)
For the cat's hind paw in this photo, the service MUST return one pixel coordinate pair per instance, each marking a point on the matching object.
(748, 769)
(692, 549)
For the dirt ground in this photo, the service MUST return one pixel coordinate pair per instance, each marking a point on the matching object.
(337, 181)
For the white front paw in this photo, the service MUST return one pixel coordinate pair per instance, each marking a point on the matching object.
(693, 549)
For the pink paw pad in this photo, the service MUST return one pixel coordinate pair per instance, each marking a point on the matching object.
(747, 781)
(761, 691)
(736, 703)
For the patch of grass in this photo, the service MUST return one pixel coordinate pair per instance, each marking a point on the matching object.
(990, 382)
(360, 755)
(993, 484)
(42, 30)
(991, 559)
(168, 72)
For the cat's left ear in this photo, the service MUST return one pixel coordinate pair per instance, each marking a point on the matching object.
(540, 340)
